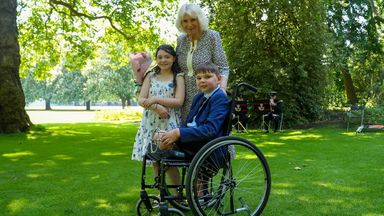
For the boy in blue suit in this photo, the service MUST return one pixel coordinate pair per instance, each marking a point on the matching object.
(206, 119)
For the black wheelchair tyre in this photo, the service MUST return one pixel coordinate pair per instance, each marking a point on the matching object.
(236, 185)
(142, 210)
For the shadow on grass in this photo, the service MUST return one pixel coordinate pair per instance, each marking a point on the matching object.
(323, 171)
(85, 169)
(64, 169)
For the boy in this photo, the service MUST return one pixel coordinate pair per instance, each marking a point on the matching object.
(206, 118)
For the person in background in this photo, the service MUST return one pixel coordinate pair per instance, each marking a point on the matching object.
(196, 45)
(274, 114)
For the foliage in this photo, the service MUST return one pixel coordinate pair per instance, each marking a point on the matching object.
(66, 32)
(85, 169)
(277, 45)
(374, 115)
(30, 87)
(355, 50)
(108, 80)
(101, 80)
(120, 115)
(70, 87)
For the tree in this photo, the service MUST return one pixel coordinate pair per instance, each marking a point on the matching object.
(121, 84)
(13, 117)
(70, 87)
(276, 45)
(65, 31)
(356, 52)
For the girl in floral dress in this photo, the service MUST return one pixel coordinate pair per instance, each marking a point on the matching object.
(162, 94)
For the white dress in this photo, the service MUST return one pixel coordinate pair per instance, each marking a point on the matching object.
(151, 120)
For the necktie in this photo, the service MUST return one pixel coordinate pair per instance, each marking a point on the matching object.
(201, 105)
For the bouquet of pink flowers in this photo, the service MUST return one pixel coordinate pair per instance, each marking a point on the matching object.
(140, 63)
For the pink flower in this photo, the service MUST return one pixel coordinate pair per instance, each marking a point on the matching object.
(140, 63)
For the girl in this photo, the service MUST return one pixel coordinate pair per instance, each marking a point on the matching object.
(161, 95)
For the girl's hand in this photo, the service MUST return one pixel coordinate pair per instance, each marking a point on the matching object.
(141, 102)
(149, 101)
(162, 111)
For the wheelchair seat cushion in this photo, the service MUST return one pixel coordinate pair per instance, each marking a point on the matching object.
(169, 154)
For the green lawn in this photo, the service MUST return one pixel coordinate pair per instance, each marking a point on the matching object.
(85, 169)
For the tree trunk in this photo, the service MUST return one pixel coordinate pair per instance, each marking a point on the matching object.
(13, 117)
(48, 104)
(349, 87)
(128, 101)
(88, 105)
(123, 102)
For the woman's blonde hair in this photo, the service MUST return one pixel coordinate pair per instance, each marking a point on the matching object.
(194, 11)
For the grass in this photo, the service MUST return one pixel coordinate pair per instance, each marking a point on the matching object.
(85, 169)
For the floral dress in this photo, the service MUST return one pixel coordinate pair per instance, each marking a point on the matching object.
(151, 120)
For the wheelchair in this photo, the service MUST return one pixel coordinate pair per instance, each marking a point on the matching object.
(228, 176)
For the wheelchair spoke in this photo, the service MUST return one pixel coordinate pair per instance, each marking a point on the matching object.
(227, 186)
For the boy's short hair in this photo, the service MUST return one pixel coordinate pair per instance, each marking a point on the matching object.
(207, 67)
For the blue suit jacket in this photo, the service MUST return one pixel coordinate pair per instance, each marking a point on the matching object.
(210, 121)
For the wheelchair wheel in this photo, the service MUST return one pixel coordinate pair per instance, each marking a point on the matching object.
(219, 183)
(143, 210)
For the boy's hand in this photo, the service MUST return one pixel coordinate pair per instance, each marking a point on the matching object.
(168, 139)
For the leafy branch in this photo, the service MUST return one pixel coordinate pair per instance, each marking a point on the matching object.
(76, 13)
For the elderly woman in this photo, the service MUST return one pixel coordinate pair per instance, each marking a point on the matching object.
(197, 44)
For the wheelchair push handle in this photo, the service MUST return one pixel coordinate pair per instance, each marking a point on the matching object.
(249, 86)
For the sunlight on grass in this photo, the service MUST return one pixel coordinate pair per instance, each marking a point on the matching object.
(295, 132)
(269, 143)
(101, 203)
(36, 175)
(124, 194)
(243, 156)
(280, 191)
(301, 137)
(283, 185)
(45, 163)
(336, 201)
(372, 214)
(305, 198)
(95, 177)
(16, 205)
(18, 155)
(349, 133)
(282, 188)
(55, 131)
(95, 162)
(113, 153)
(63, 157)
(270, 155)
(336, 187)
